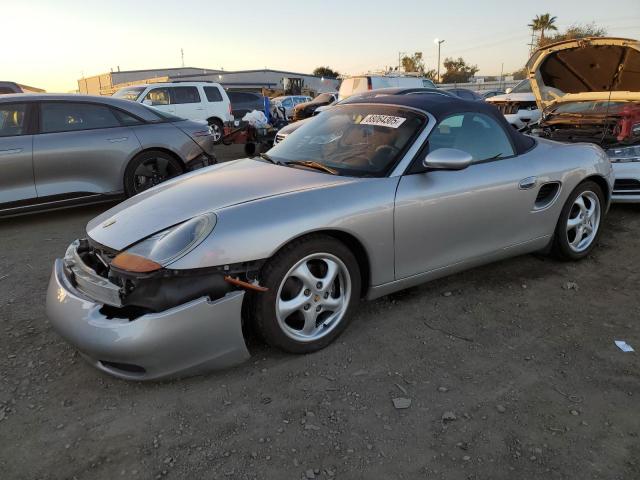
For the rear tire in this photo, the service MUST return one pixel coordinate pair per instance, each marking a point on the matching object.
(580, 222)
(149, 169)
(314, 285)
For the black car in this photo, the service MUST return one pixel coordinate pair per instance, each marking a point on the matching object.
(465, 94)
(245, 102)
(10, 87)
(305, 110)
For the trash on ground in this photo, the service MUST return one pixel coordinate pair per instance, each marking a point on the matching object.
(624, 346)
(401, 403)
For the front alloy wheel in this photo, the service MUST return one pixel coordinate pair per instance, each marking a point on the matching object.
(313, 297)
(314, 284)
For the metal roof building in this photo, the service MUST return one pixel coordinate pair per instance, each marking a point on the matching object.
(247, 80)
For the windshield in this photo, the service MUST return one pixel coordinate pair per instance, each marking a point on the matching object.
(523, 87)
(131, 93)
(355, 140)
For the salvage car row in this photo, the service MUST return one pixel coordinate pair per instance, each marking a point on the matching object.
(382, 191)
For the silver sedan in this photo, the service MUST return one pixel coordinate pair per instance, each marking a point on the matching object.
(61, 150)
(364, 200)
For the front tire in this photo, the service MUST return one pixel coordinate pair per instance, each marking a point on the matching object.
(579, 224)
(314, 285)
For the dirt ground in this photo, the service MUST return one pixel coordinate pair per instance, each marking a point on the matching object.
(511, 372)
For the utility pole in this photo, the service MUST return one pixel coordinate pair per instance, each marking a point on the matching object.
(501, 75)
(438, 42)
(182, 56)
(531, 45)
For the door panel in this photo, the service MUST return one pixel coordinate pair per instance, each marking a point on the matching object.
(187, 103)
(16, 180)
(16, 148)
(82, 161)
(447, 217)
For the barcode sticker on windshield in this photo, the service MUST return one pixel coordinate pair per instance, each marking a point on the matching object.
(382, 120)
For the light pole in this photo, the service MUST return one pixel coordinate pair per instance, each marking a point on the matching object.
(438, 42)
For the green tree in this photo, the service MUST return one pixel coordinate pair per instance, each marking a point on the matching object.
(543, 23)
(414, 63)
(574, 32)
(520, 74)
(457, 71)
(431, 74)
(326, 72)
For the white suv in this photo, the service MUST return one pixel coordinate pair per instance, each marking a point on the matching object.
(191, 100)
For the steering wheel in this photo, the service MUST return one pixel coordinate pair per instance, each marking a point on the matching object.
(388, 151)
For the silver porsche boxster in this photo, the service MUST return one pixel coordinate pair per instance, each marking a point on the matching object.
(369, 198)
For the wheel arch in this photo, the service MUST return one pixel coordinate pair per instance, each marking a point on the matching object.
(215, 118)
(603, 184)
(352, 243)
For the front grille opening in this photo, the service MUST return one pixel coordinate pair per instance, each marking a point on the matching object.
(626, 184)
(547, 194)
(124, 367)
(128, 312)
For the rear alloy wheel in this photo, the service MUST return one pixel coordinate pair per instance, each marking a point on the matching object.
(579, 224)
(217, 129)
(314, 283)
(148, 170)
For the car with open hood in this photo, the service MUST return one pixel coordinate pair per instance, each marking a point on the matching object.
(518, 105)
(589, 90)
(371, 197)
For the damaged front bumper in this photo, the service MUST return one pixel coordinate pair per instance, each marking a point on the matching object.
(187, 339)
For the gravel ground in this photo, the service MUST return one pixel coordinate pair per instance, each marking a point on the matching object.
(504, 372)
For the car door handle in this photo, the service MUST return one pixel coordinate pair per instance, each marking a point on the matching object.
(10, 151)
(199, 108)
(527, 183)
(119, 139)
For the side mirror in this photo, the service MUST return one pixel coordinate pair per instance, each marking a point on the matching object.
(508, 90)
(447, 159)
(147, 102)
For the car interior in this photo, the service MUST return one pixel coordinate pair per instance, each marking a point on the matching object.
(11, 120)
(474, 133)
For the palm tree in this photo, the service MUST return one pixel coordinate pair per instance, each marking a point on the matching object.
(543, 23)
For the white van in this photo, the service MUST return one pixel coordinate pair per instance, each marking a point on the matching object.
(360, 84)
(205, 101)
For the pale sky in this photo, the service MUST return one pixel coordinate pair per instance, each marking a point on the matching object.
(55, 42)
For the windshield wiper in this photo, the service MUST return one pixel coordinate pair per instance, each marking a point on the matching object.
(268, 158)
(313, 164)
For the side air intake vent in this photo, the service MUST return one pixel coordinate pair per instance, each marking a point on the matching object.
(547, 194)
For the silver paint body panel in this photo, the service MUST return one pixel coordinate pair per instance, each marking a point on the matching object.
(198, 336)
(87, 162)
(412, 227)
(407, 224)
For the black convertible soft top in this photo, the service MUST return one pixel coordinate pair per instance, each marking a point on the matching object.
(441, 106)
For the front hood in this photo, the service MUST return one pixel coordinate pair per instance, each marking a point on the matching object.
(202, 191)
(590, 65)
